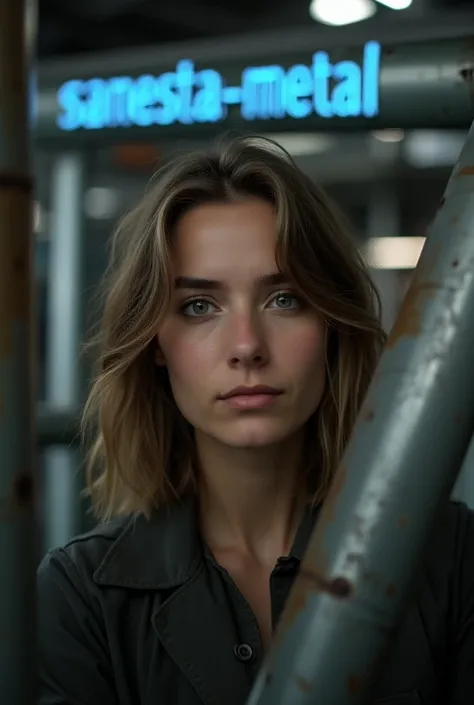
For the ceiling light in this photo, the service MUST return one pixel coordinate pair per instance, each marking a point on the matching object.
(388, 135)
(394, 252)
(101, 203)
(396, 4)
(301, 144)
(341, 12)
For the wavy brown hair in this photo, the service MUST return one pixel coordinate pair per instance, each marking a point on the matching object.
(141, 456)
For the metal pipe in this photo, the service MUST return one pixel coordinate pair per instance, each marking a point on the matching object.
(17, 526)
(62, 481)
(410, 441)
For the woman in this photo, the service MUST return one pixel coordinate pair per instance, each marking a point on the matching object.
(238, 338)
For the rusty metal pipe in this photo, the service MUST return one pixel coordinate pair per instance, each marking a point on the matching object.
(17, 575)
(409, 443)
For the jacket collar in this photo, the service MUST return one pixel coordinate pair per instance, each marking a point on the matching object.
(166, 550)
(157, 553)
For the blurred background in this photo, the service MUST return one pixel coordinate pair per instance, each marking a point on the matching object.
(383, 146)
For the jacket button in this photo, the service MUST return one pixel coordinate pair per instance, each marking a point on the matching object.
(243, 652)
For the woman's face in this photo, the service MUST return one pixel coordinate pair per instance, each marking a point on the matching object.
(233, 322)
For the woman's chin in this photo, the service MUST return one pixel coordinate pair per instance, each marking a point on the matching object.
(254, 433)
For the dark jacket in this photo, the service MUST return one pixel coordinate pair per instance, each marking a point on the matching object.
(138, 612)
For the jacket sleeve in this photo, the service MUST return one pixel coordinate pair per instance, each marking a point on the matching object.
(74, 665)
(463, 646)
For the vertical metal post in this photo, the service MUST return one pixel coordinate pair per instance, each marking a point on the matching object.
(411, 438)
(17, 544)
(62, 517)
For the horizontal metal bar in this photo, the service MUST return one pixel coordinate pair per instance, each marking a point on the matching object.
(57, 426)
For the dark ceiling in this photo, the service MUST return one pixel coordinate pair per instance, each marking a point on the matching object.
(77, 26)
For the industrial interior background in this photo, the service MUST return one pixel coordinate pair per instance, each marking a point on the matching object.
(387, 181)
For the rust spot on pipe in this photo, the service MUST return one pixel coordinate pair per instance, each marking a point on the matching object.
(307, 584)
(467, 170)
(408, 323)
(457, 418)
(467, 74)
(390, 590)
(354, 683)
(304, 685)
(402, 521)
(337, 587)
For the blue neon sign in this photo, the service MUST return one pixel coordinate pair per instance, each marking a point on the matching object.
(344, 89)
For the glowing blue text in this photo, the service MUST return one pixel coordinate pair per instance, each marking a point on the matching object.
(344, 89)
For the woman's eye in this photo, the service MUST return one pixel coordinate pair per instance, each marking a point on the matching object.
(286, 301)
(196, 308)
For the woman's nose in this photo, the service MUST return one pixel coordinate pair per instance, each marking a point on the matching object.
(248, 346)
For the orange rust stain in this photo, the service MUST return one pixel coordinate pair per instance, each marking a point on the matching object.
(314, 565)
(402, 522)
(467, 170)
(295, 604)
(304, 685)
(457, 418)
(390, 590)
(408, 323)
(354, 683)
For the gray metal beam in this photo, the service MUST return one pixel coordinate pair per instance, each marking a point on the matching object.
(17, 526)
(62, 482)
(410, 441)
(421, 84)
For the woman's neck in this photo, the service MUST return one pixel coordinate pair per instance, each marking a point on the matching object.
(251, 500)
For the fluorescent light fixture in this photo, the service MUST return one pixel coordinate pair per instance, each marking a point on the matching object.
(38, 217)
(426, 149)
(341, 12)
(388, 135)
(101, 203)
(393, 252)
(396, 4)
(302, 144)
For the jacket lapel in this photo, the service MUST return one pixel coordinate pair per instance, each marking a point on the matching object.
(193, 621)
(196, 628)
